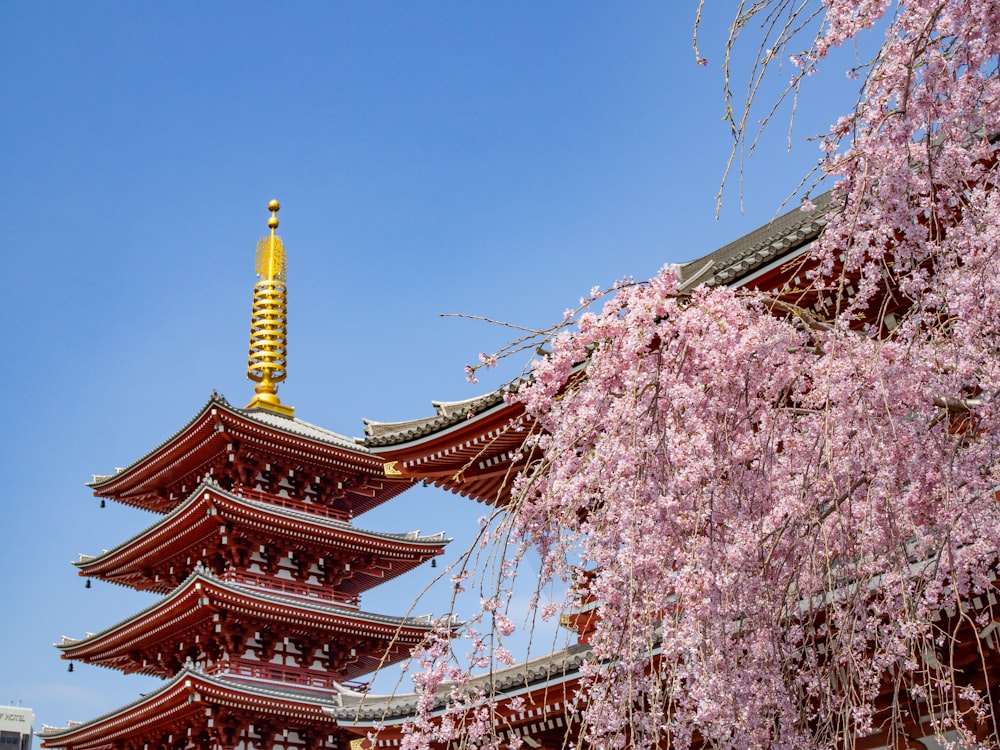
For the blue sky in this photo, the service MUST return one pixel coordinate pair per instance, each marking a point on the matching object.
(496, 159)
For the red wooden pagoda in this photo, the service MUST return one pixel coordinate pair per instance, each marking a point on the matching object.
(260, 568)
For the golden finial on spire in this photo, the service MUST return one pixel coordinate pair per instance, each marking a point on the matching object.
(269, 321)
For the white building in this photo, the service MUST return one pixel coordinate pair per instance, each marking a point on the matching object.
(16, 728)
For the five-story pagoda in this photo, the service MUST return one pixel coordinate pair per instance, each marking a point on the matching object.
(259, 565)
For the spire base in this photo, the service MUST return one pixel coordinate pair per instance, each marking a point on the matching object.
(266, 397)
(270, 402)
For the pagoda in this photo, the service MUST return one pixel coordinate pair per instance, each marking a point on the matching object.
(259, 568)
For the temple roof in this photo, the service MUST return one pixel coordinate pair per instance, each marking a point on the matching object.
(470, 454)
(203, 594)
(749, 253)
(219, 431)
(782, 235)
(131, 562)
(447, 413)
(289, 425)
(296, 426)
(547, 672)
(467, 446)
(192, 692)
(202, 575)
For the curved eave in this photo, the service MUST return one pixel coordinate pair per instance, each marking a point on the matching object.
(467, 447)
(776, 240)
(193, 439)
(544, 679)
(206, 435)
(776, 260)
(193, 605)
(447, 413)
(185, 700)
(133, 562)
(474, 457)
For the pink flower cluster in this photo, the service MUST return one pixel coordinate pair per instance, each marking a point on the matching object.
(776, 514)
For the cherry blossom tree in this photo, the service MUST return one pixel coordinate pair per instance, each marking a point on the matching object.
(784, 516)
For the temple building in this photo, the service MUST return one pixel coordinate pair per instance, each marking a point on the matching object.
(469, 449)
(260, 565)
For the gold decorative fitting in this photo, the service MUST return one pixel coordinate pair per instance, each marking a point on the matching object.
(267, 363)
(391, 469)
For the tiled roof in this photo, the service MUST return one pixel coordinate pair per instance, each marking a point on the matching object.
(723, 266)
(447, 413)
(290, 425)
(413, 537)
(751, 251)
(298, 427)
(364, 707)
(280, 692)
(215, 399)
(423, 621)
(202, 573)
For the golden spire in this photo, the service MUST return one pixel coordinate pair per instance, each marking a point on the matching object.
(267, 365)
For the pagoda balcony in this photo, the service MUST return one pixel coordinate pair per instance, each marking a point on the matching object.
(289, 587)
(275, 674)
(284, 500)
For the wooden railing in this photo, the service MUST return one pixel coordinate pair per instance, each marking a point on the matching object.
(292, 503)
(277, 674)
(291, 587)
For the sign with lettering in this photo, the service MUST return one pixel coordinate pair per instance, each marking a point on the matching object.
(13, 719)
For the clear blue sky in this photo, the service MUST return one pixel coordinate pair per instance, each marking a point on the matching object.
(496, 159)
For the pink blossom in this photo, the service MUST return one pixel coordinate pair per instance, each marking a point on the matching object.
(778, 505)
(504, 625)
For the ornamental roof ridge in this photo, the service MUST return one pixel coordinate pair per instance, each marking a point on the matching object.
(270, 690)
(288, 425)
(752, 250)
(421, 621)
(463, 407)
(448, 413)
(564, 663)
(201, 573)
(208, 485)
(216, 399)
(265, 691)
